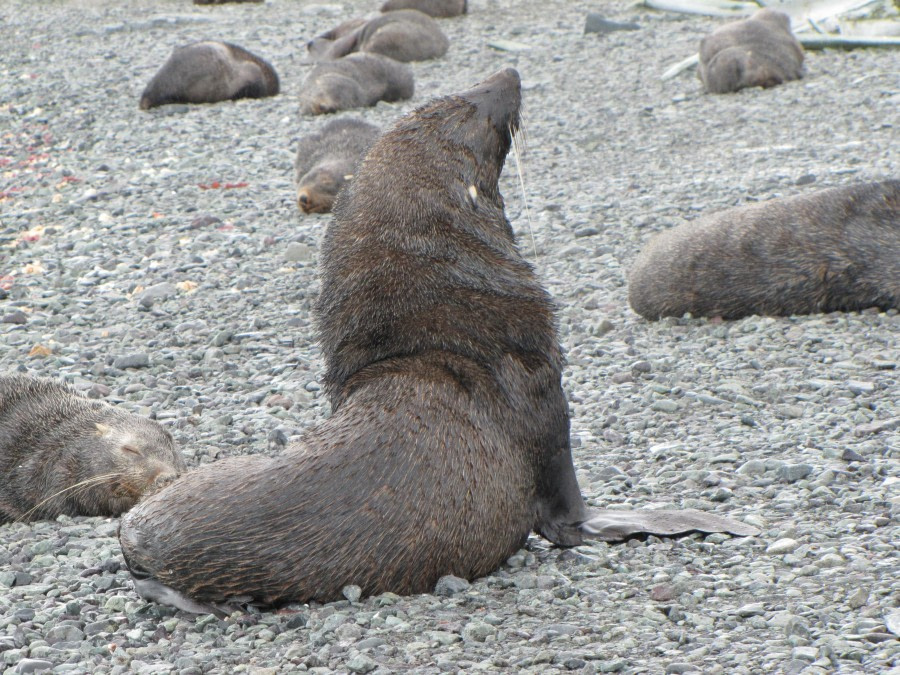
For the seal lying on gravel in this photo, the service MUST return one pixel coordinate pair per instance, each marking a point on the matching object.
(62, 453)
(449, 435)
(439, 9)
(327, 160)
(757, 52)
(405, 35)
(318, 47)
(208, 72)
(355, 81)
(832, 250)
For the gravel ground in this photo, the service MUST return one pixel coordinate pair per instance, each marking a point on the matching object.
(122, 274)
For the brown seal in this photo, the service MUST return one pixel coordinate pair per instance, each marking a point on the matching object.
(221, 2)
(318, 47)
(208, 72)
(62, 453)
(449, 435)
(405, 35)
(757, 52)
(439, 9)
(832, 250)
(326, 160)
(355, 81)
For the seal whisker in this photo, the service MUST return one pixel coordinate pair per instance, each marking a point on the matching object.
(83, 485)
(520, 172)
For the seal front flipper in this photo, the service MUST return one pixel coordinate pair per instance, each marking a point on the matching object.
(614, 525)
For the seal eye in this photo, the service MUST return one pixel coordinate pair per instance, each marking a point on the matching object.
(131, 450)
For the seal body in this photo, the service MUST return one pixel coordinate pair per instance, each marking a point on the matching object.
(832, 250)
(439, 9)
(208, 72)
(355, 81)
(757, 52)
(405, 35)
(449, 437)
(62, 453)
(327, 159)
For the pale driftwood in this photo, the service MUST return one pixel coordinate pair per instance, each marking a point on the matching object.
(681, 66)
(847, 41)
(704, 7)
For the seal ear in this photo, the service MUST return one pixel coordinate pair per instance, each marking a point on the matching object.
(614, 525)
(102, 429)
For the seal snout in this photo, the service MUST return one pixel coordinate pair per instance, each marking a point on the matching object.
(498, 97)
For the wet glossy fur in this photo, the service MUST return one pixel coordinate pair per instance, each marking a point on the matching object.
(52, 438)
(757, 52)
(326, 159)
(208, 72)
(831, 250)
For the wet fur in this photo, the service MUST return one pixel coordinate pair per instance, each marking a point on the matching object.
(757, 52)
(405, 35)
(52, 438)
(325, 159)
(831, 250)
(355, 81)
(449, 437)
(208, 72)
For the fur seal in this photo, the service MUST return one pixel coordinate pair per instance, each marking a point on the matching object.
(405, 35)
(757, 52)
(208, 72)
(326, 160)
(53, 439)
(221, 2)
(355, 81)
(318, 47)
(439, 9)
(832, 250)
(448, 441)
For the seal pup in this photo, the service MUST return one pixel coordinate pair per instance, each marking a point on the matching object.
(448, 441)
(208, 72)
(405, 35)
(318, 47)
(439, 9)
(760, 51)
(326, 160)
(355, 81)
(62, 453)
(832, 250)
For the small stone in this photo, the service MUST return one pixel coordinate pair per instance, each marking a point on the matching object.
(663, 593)
(677, 668)
(477, 631)
(665, 405)
(297, 252)
(621, 378)
(361, 664)
(806, 179)
(860, 387)
(352, 592)
(140, 360)
(878, 426)
(892, 621)
(641, 367)
(850, 456)
(751, 609)
(450, 585)
(805, 653)
(156, 292)
(781, 546)
(17, 317)
(859, 598)
(791, 473)
(595, 23)
(32, 666)
(753, 467)
(830, 560)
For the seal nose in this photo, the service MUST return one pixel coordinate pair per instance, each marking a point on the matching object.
(303, 200)
(499, 96)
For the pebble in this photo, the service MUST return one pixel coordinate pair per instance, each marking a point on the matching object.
(781, 546)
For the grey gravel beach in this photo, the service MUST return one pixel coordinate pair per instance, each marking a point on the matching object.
(157, 260)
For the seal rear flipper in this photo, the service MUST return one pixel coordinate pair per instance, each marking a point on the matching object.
(154, 591)
(614, 525)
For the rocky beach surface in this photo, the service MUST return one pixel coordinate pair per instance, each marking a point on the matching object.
(157, 260)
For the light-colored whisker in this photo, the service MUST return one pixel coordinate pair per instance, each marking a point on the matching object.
(520, 172)
(83, 485)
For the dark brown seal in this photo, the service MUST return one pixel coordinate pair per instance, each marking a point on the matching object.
(832, 250)
(327, 159)
(439, 9)
(757, 52)
(208, 72)
(449, 435)
(62, 453)
(405, 35)
(355, 81)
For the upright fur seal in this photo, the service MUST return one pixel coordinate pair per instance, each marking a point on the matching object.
(327, 159)
(439, 9)
(757, 52)
(62, 453)
(355, 81)
(405, 35)
(832, 250)
(449, 435)
(208, 72)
